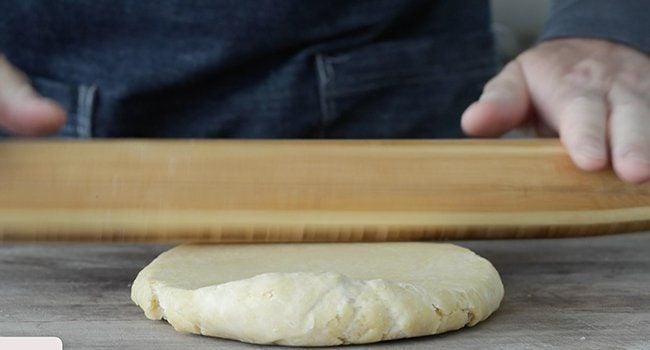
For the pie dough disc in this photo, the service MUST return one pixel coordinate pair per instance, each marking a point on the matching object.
(318, 294)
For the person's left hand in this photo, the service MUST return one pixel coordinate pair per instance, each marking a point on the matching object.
(594, 93)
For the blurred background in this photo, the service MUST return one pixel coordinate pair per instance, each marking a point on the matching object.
(516, 24)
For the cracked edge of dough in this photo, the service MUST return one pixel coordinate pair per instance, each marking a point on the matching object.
(333, 309)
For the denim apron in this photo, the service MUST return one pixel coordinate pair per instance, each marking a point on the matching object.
(253, 68)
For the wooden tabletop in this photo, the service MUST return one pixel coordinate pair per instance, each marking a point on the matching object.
(583, 293)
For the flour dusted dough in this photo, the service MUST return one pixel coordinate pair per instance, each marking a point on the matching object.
(318, 294)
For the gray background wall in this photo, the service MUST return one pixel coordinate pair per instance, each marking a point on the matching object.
(517, 23)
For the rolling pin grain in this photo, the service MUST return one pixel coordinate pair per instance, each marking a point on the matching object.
(270, 191)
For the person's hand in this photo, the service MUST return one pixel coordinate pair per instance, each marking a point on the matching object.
(594, 93)
(22, 110)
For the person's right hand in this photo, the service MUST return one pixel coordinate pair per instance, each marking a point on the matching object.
(22, 111)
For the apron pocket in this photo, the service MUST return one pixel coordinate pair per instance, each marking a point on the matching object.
(414, 88)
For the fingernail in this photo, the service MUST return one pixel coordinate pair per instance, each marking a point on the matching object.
(491, 96)
(591, 152)
(22, 93)
(637, 156)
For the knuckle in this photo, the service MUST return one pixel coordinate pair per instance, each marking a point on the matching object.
(501, 84)
(583, 107)
(637, 82)
(582, 125)
(583, 101)
(505, 80)
(634, 78)
(625, 98)
(591, 74)
(570, 127)
(581, 133)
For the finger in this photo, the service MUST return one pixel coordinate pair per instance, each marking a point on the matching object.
(582, 122)
(503, 106)
(22, 111)
(630, 134)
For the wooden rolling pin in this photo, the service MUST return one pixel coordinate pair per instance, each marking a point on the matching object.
(265, 191)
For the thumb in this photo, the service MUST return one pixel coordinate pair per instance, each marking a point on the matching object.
(22, 110)
(504, 104)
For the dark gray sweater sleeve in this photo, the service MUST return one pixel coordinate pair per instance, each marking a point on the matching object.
(623, 21)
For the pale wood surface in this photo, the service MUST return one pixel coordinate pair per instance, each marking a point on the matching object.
(578, 293)
(307, 191)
